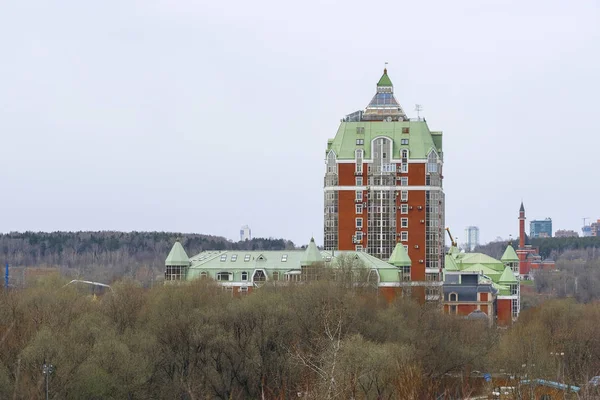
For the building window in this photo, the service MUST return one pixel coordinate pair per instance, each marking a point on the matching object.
(359, 222)
(284, 258)
(223, 257)
(403, 222)
(403, 141)
(453, 297)
(259, 276)
(431, 277)
(432, 165)
(406, 130)
(247, 258)
(404, 181)
(404, 209)
(404, 195)
(405, 248)
(360, 142)
(275, 276)
(404, 236)
(405, 273)
(359, 181)
(404, 153)
(358, 236)
(234, 258)
(244, 276)
(358, 247)
(360, 130)
(359, 195)
(404, 168)
(359, 208)
(224, 276)
(331, 163)
(515, 308)
(358, 155)
(243, 290)
(513, 289)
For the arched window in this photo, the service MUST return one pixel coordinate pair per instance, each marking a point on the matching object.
(404, 154)
(275, 276)
(432, 165)
(331, 164)
(244, 276)
(358, 160)
(453, 297)
(203, 275)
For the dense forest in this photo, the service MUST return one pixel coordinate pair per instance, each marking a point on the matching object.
(314, 341)
(107, 256)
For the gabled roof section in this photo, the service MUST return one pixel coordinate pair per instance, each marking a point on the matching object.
(311, 254)
(509, 255)
(483, 269)
(177, 256)
(399, 257)
(507, 276)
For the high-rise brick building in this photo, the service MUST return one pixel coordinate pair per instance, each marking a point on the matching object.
(383, 185)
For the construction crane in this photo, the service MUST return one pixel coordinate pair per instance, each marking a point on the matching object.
(451, 238)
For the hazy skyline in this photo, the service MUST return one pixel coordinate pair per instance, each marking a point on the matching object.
(206, 116)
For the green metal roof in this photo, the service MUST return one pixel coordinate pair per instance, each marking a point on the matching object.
(399, 257)
(510, 255)
(484, 259)
(420, 139)
(491, 273)
(507, 276)
(311, 254)
(177, 256)
(385, 79)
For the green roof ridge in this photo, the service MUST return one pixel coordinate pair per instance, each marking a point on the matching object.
(507, 276)
(399, 257)
(311, 254)
(385, 79)
(509, 254)
(177, 256)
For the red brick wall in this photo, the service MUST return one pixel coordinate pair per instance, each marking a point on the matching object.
(504, 311)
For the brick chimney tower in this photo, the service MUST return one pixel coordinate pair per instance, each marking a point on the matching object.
(522, 227)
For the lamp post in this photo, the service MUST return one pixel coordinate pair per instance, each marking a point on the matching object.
(47, 369)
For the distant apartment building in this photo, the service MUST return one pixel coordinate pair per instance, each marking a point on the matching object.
(563, 233)
(586, 231)
(245, 233)
(383, 185)
(540, 228)
(471, 237)
(595, 228)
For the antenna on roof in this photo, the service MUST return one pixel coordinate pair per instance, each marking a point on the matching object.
(385, 68)
(418, 109)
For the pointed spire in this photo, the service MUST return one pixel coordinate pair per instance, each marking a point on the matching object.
(385, 79)
(509, 255)
(399, 257)
(177, 256)
(507, 277)
(522, 209)
(311, 254)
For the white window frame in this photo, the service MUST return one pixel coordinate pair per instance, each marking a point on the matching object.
(359, 222)
(358, 235)
(359, 181)
(358, 160)
(404, 236)
(359, 208)
(221, 273)
(404, 181)
(404, 195)
(358, 247)
(404, 153)
(404, 168)
(403, 208)
(359, 195)
(403, 222)
(242, 276)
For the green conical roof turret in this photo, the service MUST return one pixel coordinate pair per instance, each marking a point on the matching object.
(507, 277)
(311, 254)
(399, 257)
(510, 255)
(177, 256)
(385, 79)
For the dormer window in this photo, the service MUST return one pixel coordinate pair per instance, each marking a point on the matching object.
(234, 258)
(223, 257)
(247, 258)
(284, 258)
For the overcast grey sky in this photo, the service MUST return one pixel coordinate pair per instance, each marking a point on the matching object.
(201, 116)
